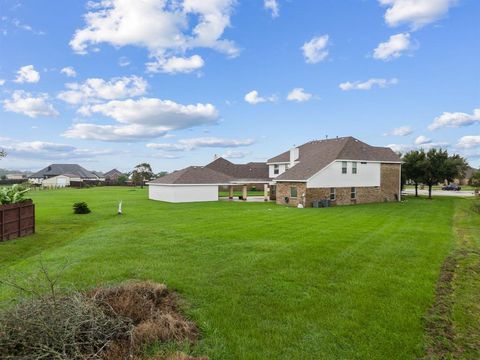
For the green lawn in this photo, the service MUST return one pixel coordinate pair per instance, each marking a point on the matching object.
(239, 193)
(262, 281)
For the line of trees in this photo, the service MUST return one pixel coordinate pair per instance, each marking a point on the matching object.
(432, 167)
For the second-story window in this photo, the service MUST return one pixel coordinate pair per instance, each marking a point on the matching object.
(354, 167)
(276, 169)
(344, 167)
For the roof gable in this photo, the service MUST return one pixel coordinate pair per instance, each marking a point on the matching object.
(315, 155)
(193, 175)
(250, 171)
(60, 169)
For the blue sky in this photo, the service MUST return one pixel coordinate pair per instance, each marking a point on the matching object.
(114, 83)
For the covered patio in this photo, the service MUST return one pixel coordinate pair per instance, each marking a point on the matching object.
(268, 194)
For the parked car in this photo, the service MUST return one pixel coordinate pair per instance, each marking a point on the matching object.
(452, 187)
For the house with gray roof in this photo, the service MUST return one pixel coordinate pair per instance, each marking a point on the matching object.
(71, 170)
(341, 171)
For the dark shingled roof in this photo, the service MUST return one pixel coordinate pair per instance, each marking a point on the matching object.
(60, 169)
(253, 171)
(315, 155)
(193, 175)
(113, 172)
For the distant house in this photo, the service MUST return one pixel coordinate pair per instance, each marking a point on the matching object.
(468, 175)
(15, 176)
(73, 170)
(60, 181)
(112, 175)
(342, 171)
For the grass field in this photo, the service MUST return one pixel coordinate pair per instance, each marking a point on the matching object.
(264, 281)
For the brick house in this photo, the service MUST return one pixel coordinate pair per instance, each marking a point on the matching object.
(342, 170)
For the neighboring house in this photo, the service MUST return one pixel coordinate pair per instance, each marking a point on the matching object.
(342, 170)
(61, 169)
(15, 176)
(100, 176)
(195, 183)
(468, 175)
(113, 175)
(63, 180)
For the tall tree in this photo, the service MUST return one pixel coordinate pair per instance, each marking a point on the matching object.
(143, 172)
(412, 167)
(438, 167)
(475, 179)
(2, 153)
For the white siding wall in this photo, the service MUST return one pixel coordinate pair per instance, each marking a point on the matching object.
(56, 181)
(282, 168)
(183, 193)
(331, 176)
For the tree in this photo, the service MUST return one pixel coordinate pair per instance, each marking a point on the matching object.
(412, 167)
(122, 179)
(142, 172)
(438, 167)
(2, 153)
(475, 179)
(162, 174)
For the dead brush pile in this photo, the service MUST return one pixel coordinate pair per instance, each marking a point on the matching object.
(105, 323)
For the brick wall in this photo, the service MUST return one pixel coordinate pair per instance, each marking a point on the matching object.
(283, 190)
(388, 189)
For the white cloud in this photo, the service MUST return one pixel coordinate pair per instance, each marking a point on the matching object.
(2, 82)
(299, 95)
(468, 142)
(27, 74)
(176, 64)
(87, 131)
(230, 154)
(455, 119)
(203, 142)
(393, 48)
(422, 140)
(123, 61)
(49, 150)
(315, 50)
(254, 98)
(93, 90)
(416, 13)
(166, 28)
(141, 119)
(25, 103)
(400, 131)
(69, 71)
(273, 7)
(367, 85)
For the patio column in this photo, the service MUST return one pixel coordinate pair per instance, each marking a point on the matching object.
(266, 195)
(244, 192)
(230, 192)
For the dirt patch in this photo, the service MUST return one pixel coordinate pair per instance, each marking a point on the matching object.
(106, 323)
(154, 312)
(439, 327)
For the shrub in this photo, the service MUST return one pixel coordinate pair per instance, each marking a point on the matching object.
(81, 208)
(13, 194)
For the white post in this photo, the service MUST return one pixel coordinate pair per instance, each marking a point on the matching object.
(245, 193)
(266, 195)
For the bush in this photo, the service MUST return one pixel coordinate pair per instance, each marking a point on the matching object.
(81, 208)
(13, 194)
(106, 323)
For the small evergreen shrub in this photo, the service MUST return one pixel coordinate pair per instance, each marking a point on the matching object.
(81, 208)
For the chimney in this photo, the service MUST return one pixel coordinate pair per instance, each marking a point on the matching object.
(294, 154)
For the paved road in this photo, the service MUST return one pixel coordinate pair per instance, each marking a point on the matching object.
(440, 193)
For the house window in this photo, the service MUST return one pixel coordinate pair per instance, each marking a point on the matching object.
(333, 194)
(344, 167)
(353, 193)
(276, 169)
(354, 167)
(293, 192)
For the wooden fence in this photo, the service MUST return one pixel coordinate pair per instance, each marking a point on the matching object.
(17, 220)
